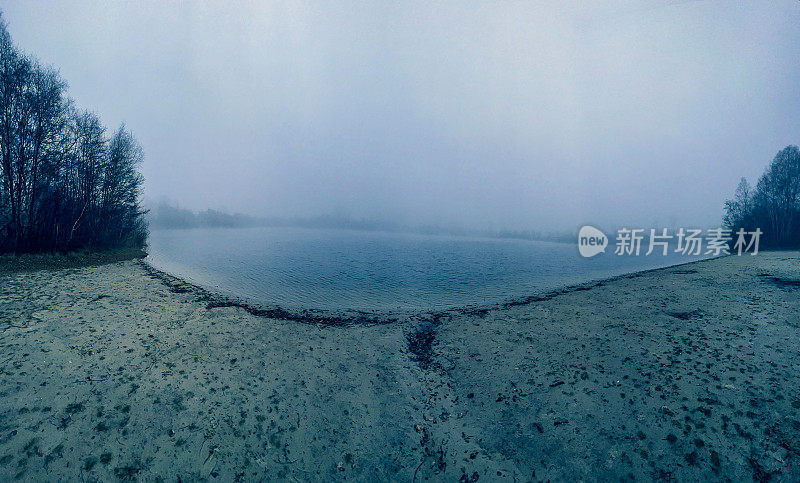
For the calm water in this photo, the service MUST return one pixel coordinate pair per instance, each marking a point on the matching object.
(338, 269)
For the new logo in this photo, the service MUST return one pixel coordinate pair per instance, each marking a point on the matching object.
(591, 241)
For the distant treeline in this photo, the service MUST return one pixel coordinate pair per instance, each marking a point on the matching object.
(64, 184)
(773, 205)
(166, 215)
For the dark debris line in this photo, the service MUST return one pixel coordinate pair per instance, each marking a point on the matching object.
(176, 285)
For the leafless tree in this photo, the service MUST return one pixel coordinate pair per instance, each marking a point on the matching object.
(63, 184)
(774, 205)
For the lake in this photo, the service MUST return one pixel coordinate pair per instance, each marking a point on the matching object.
(334, 270)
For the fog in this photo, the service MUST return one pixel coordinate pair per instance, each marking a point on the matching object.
(521, 115)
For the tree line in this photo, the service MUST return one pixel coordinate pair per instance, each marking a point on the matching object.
(773, 205)
(165, 215)
(64, 183)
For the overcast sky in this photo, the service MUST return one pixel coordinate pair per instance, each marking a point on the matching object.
(540, 115)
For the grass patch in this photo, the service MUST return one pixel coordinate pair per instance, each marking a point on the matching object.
(57, 452)
(785, 282)
(49, 261)
(89, 463)
(74, 408)
(129, 471)
(694, 314)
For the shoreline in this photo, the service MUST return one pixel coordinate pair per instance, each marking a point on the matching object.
(352, 316)
(684, 372)
(419, 340)
(307, 316)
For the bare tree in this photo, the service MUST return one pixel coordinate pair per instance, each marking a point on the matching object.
(774, 205)
(63, 184)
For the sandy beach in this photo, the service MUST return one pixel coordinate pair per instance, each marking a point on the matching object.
(690, 372)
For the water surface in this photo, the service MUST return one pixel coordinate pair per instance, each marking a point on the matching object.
(298, 268)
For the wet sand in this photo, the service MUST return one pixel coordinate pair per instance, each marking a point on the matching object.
(691, 372)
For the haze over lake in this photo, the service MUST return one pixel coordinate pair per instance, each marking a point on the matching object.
(298, 268)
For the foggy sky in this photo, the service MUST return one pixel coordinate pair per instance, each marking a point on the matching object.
(542, 115)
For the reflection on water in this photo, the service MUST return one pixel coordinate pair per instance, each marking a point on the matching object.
(339, 269)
